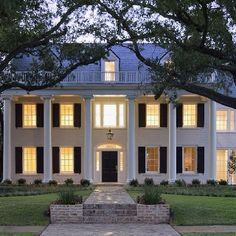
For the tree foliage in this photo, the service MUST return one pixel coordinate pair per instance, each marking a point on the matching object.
(198, 35)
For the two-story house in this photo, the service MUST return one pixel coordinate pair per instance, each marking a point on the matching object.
(99, 125)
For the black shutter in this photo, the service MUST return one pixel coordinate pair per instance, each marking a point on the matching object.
(56, 114)
(141, 160)
(77, 115)
(163, 159)
(200, 115)
(200, 160)
(77, 160)
(179, 160)
(163, 115)
(142, 115)
(56, 159)
(18, 160)
(40, 160)
(18, 115)
(179, 115)
(39, 115)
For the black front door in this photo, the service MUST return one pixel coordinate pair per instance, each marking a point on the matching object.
(109, 166)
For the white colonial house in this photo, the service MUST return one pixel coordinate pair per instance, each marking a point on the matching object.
(99, 125)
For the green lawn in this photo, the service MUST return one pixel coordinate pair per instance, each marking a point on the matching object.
(16, 234)
(198, 210)
(29, 210)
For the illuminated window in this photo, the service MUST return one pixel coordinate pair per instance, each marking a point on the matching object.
(221, 164)
(121, 161)
(109, 115)
(110, 71)
(66, 159)
(190, 159)
(66, 115)
(152, 159)
(153, 115)
(189, 115)
(97, 161)
(29, 115)
(29, 160)
(232, 121)
(221, 120)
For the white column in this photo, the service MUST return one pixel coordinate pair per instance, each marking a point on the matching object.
(131, 160)
(88, 157)
(172, 143)
(212, 125)
(47, 139)
(7, 138)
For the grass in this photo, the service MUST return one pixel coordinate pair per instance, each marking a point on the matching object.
(209, 234)
(197, 210)
(16, 234)
(29, 210)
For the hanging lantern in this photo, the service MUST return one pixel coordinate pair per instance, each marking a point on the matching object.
(109, 134)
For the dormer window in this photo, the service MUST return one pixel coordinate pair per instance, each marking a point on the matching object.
(110, 69)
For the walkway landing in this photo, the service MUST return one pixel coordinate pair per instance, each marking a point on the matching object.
(109, 195)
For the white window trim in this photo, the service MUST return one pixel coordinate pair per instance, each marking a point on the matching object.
(228, 121)
(152, 172)
(23, 160)
(189, 172)
(102, 103)
(66, 172)
(63, 126)
(159, 120)
(23, 116)
(190, 126)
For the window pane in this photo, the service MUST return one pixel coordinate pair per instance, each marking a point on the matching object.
(221, 164)
(66, 159)
(190, 159)
(29, 119)
(97, 115)
(152, 115)
(189, 115)
(152, 159)
(29, 160)
(67, 115)
(221, 120)
(121, 115)
(109, 115)
(109, 70)
(232, 121)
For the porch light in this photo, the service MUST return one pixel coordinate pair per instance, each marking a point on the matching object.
(109, 134)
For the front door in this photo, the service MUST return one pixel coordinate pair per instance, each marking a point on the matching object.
(109, 166)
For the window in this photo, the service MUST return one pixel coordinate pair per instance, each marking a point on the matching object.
(110, 71)
(66, 159)
(221, 164)
(189, 115)
(29, 115)
(29, 160)
(190, 159)
(232, 121)
(152, 159)
(153, 115)
(66, 115)
(110, 115)
(121, 161)
(221, 120)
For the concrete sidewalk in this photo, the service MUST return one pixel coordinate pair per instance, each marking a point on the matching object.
(206, 229)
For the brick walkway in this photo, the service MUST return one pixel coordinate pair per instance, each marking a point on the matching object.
(109, 229)
(109, 195)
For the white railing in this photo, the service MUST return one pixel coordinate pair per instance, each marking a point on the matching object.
(123, 77)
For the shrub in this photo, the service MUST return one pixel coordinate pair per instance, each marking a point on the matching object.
(21, 181)
(37, 181)
(223, 182)
(133, 182)
(7, 182)
(148, 181)
(164, 182)
(52, 182)
(151, 196)
(196, 182)
(180, 183)
(85, 182)
(212, 182)
(69, 181)
(68, 197)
